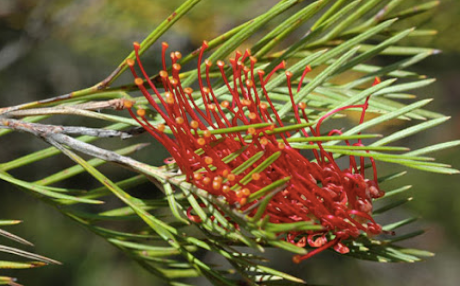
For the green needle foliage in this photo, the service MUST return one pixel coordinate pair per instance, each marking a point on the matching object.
(340, 40)
(34, 260)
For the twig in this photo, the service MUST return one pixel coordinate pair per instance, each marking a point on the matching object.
(46, 131)
(97, 105)
(89, 149)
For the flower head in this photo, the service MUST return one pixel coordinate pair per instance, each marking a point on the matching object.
(239, 146)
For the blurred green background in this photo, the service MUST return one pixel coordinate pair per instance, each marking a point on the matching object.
(51, 47)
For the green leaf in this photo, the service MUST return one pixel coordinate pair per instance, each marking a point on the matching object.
(406, 236)
(399, 224)
(9, 222)
(175, 207)
(36, 188)
(391, 176)
(260, 168)
(295, 226)
(406, 86)
(75, 170)
(288, 246)
(248, 163)
(410, 131)
(396, 191)
(21, 265)
(28, 255)
(418, 9)
(8, 281)
(387, 116)
(237, 129)
(267, 189)
(13, 237)
(389, 69)
(391, 206)
(330, 138)
(433, 148)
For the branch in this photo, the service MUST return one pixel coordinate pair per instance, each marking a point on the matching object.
(58, 132)
(15, 111)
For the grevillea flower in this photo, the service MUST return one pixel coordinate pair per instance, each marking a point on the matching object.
(210, 148)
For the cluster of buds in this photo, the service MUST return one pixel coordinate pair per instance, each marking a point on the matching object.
(214, 154)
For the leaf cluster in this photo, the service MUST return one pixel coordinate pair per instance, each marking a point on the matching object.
(340, 40)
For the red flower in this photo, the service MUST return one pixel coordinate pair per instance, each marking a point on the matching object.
(228, 163)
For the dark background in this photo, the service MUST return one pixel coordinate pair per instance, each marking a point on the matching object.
(49, 48)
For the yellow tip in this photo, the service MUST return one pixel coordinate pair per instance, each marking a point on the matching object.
(141, 112)
(138, 81)
(220, 63)
(231, 177)
(188, 90)
(176, 67)
(194, 124)
(130, 62)
(208, 160)
(206, 180)
(179, 120)
(207, 133)
(216, 185)
(163, 74)
(128, 103)
(224, 104)
(297, 259)
(201, 141)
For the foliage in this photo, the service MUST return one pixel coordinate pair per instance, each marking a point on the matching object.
(342, 39)
(36, 260)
